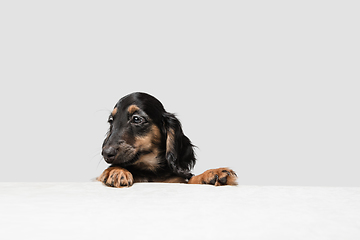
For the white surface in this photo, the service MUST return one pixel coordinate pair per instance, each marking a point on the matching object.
(177, 211)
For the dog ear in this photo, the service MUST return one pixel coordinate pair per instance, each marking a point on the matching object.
(179, 149)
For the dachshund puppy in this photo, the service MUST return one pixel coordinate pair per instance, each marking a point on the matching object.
(147, 144)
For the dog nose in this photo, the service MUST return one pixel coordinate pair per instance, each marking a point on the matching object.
(109, 153)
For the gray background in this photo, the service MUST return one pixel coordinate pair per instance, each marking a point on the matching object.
(269, 88)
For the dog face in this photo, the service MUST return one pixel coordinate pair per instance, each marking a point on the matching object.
(146, 137)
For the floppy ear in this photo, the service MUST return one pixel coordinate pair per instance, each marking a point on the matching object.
(179, 149)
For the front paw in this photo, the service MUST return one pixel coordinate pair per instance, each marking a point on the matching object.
(116, 177)
(217, 177)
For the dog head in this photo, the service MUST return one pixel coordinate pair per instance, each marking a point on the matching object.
(143, 135)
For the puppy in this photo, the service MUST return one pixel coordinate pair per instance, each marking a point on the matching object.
(147, 144)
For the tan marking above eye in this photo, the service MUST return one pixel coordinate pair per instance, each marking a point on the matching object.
(114, 112)
(132, 109)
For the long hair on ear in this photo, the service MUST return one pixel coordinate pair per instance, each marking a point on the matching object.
(179, 154)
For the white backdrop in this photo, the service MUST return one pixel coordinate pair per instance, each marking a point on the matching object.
(270, 89)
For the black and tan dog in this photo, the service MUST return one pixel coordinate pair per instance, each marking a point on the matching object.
(146, 144)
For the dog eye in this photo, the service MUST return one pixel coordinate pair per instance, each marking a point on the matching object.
(137, 119)
(111, 119)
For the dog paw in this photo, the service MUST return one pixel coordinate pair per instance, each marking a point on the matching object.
(217, 177)
(116, 177)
